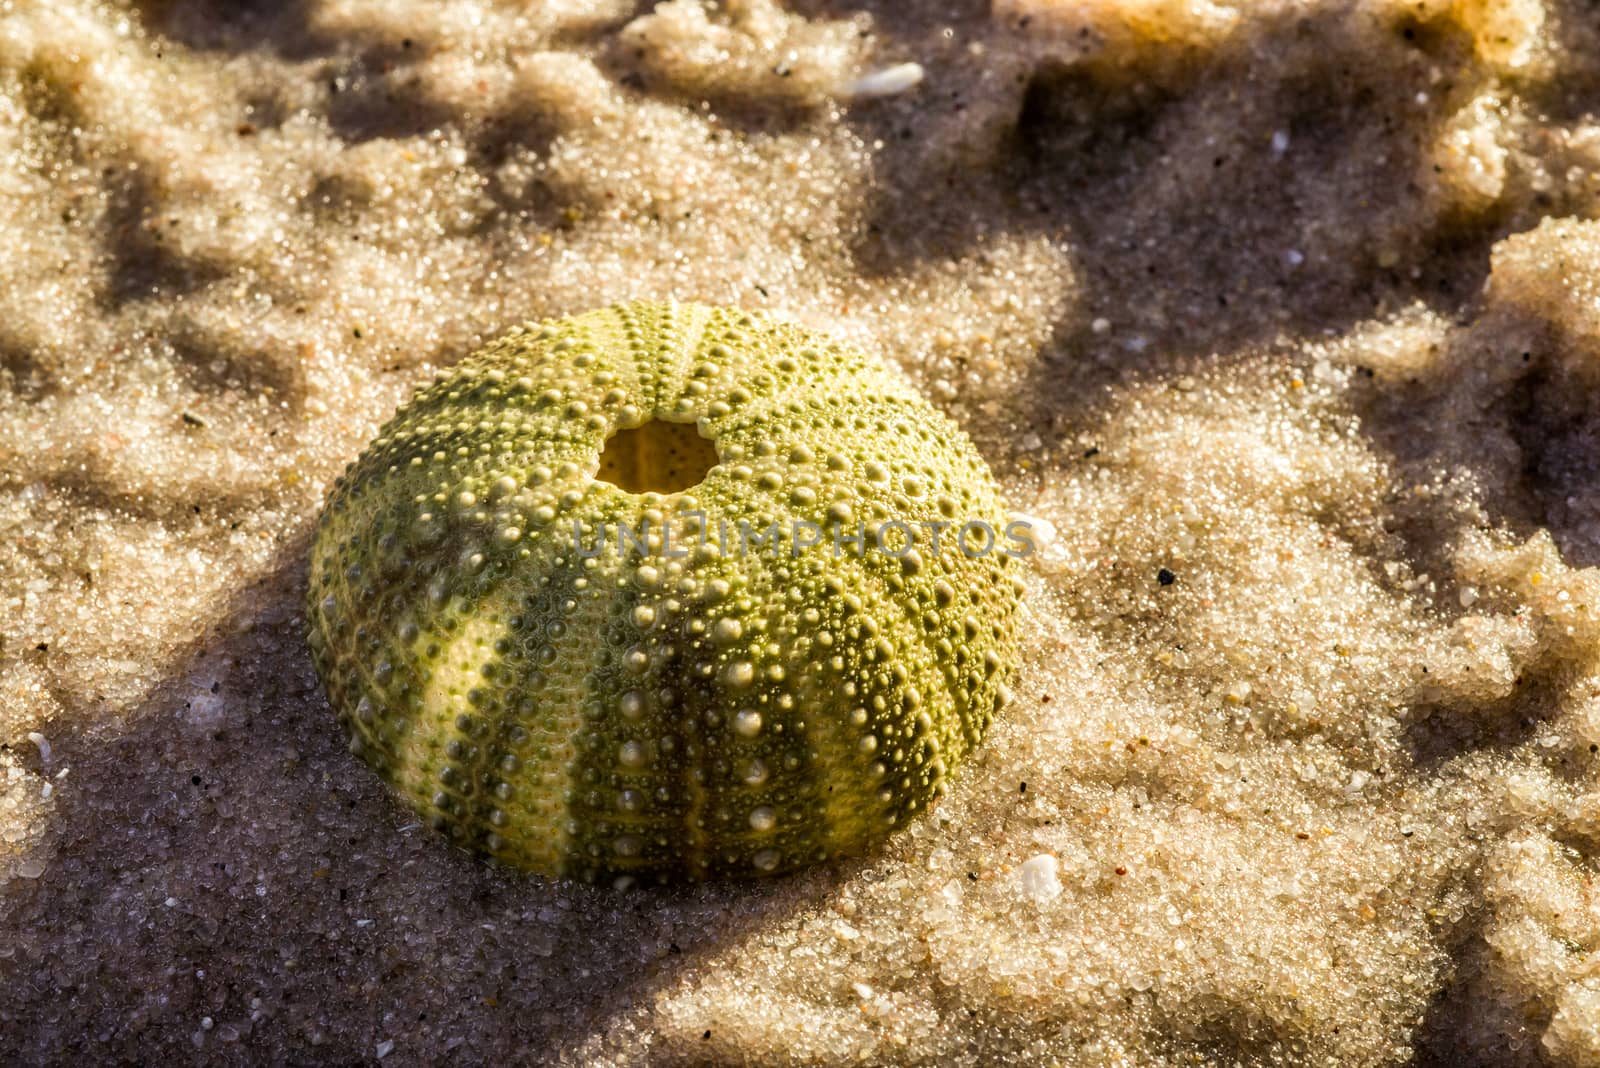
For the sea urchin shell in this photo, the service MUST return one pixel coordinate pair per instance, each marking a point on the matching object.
(658, 592)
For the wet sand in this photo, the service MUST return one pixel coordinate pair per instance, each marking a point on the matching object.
(1285, 316)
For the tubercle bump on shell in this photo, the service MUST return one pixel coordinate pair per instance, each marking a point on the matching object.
(644, 717)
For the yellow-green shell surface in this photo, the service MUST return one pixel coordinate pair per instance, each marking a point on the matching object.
(545, 692)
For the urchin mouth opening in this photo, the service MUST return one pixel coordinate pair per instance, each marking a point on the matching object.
(656, 457)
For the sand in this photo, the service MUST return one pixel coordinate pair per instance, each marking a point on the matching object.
(1285, 316)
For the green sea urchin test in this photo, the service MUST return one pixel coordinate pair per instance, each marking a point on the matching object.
(665, 591)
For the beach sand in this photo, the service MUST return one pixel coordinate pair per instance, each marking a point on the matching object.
(1285, 317)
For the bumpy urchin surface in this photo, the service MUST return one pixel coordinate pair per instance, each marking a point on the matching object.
(545, 690)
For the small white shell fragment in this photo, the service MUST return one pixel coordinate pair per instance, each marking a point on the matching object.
(1040, 877)
(1041, 532)
(890, 81)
